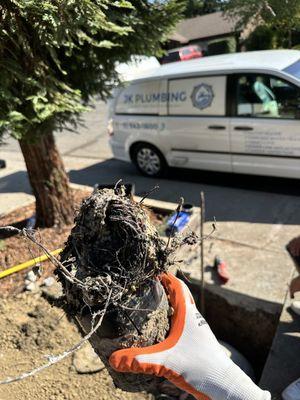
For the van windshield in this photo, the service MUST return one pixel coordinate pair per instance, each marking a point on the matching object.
(293, 69)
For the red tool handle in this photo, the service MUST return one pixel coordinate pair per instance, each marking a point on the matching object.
(222, 270)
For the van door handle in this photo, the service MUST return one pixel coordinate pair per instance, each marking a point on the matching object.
(217, 127)
(243, 128)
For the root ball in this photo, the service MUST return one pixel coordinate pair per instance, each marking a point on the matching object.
(115, 250)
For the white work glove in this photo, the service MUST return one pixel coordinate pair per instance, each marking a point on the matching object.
(191, 356)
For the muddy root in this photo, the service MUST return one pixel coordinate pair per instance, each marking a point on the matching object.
(115, 250)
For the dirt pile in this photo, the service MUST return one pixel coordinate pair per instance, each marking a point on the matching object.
(15, 250)
(30, 329)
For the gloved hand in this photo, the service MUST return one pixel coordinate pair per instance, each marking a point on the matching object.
(191, 356)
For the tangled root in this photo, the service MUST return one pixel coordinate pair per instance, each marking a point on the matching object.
(114, 252)
(113, 246)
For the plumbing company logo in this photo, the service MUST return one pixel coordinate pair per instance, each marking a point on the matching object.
(151, 98)
(202, 96)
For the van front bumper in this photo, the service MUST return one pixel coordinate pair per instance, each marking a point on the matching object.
(119, 151)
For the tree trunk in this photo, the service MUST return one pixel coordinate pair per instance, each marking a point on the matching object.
(49, 182)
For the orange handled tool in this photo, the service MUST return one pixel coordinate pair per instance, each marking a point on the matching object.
(222, 270)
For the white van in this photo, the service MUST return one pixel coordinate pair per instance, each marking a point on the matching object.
(235, 113)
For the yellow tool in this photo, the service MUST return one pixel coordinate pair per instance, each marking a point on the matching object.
(28, 264)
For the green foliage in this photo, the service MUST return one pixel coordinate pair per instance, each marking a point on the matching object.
(221, 46)
(193, 8)
(282, 16)
(262, 38)
(296, 40)
(201, 7)
(56, 54)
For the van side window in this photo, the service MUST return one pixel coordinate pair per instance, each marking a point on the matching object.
(265, 96)
(197, 96)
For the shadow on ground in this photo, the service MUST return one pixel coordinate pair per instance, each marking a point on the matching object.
(15, 183)
(228, 197)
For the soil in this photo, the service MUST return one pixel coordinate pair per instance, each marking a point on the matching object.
(15, 250)
(30, 329)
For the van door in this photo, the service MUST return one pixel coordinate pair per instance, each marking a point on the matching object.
(196, 124)
(265, 128)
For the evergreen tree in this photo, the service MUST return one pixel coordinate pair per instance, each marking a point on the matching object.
(281, 16)
(55, 55)
(201, 7)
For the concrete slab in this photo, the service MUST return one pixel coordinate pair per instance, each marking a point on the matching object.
(283, 363)
(254, 270)
(15, 190)
(245, 311)
(14, 185)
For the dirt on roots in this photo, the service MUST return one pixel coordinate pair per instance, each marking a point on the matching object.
(113, 256)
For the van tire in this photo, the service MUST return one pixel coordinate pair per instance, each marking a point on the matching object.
(149, 160)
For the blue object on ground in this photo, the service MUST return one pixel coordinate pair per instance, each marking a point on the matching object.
(176, 223)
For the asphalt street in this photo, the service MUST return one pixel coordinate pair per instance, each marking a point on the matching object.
(89, 160)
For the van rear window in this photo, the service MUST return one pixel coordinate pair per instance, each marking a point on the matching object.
(293, 69)
(139, 98)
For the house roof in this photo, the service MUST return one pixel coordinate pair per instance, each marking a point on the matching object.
(178, 38)
(205, 26)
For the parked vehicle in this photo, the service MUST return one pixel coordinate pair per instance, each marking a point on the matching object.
(234, 113)
(182, 54)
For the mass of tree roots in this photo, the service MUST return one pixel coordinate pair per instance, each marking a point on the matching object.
(109, 270)
(115, 252)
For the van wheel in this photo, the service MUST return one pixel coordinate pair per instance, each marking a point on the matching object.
(149, 160)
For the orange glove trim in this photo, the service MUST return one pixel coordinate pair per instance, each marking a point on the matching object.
(122, 359)
(170, 375)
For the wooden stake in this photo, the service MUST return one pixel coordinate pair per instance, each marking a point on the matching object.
(202, 220)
